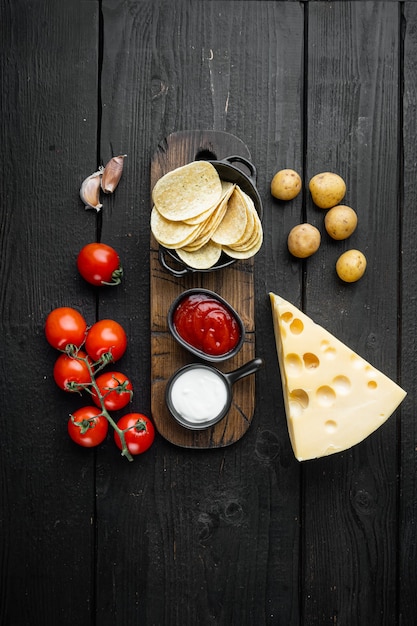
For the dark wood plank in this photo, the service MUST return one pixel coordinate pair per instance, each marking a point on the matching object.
(408, 503)
(126, 492)
(194, 536)
(49, 59)
(349, 513)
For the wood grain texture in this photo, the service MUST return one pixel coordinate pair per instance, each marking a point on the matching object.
(352, 122)
(48, 130)
(407, 557)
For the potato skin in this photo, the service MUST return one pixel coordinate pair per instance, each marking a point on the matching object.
(286, 184)
(327, 189)
(340, 222)
(303, 240)
(351, 266)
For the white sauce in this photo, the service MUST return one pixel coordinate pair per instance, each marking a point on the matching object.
(199, 395)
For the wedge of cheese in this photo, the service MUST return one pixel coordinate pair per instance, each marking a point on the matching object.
(333, 397)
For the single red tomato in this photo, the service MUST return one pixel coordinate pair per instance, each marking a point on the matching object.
(71, 371)
(106, 337)
(138, 430)
(99, 264)
(117, 399)
(88, 427)
(65, 326)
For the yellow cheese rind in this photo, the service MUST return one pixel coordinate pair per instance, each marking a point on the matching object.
(333, 397)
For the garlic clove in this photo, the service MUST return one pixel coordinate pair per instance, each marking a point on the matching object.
(112, 173)
(90, 191)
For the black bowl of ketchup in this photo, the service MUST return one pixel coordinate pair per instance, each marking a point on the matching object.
(206, 325)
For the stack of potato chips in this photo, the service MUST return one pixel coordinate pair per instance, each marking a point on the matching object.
(200, 216)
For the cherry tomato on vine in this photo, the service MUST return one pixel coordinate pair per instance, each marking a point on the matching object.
(99, 264)
(88, 427)
(70, 371)
(106, 337)
(117, 399)
(65, 326)
(138, 430)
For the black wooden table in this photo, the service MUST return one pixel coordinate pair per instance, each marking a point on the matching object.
(245, 534)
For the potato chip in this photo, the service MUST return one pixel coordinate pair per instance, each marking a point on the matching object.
(171, 234)
(245, 254)
(202, 217)
(250, 241)
(187, 191)
(203, 258)
(249, 230)
(210, 225)
(233, 225)
(248, 245)
(227, 189)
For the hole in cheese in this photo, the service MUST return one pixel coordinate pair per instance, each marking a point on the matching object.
(311, 361)
(372, 384)
(330, 426)
(342, 385)
(356, 360)
(296, 326)
(328, 350)
(326, 396)
(299, 397)
(286, 317)
(293, 364)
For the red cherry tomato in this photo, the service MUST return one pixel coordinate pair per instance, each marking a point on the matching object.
(99, 264)
(117, 399)
(106, 337)
(65, 326)
(70, 371)
(138, 430)
(88, 427)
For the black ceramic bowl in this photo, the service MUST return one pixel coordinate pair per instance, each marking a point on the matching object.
(198, 395)
(195, 351)
(229, 173)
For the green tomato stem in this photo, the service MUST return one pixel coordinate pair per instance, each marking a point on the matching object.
(116, 278)
(104, 412)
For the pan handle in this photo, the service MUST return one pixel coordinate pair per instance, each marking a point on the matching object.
(236, 158)
(244, 370)
(169, 268)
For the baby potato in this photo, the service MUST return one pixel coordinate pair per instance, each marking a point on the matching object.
(327, 189)
(286, 184)
(303, 240)
(351, 266)
(340, 221)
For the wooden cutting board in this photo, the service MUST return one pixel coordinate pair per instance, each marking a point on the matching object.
(234, 283)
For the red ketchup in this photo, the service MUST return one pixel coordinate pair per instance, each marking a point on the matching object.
(206, 324)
